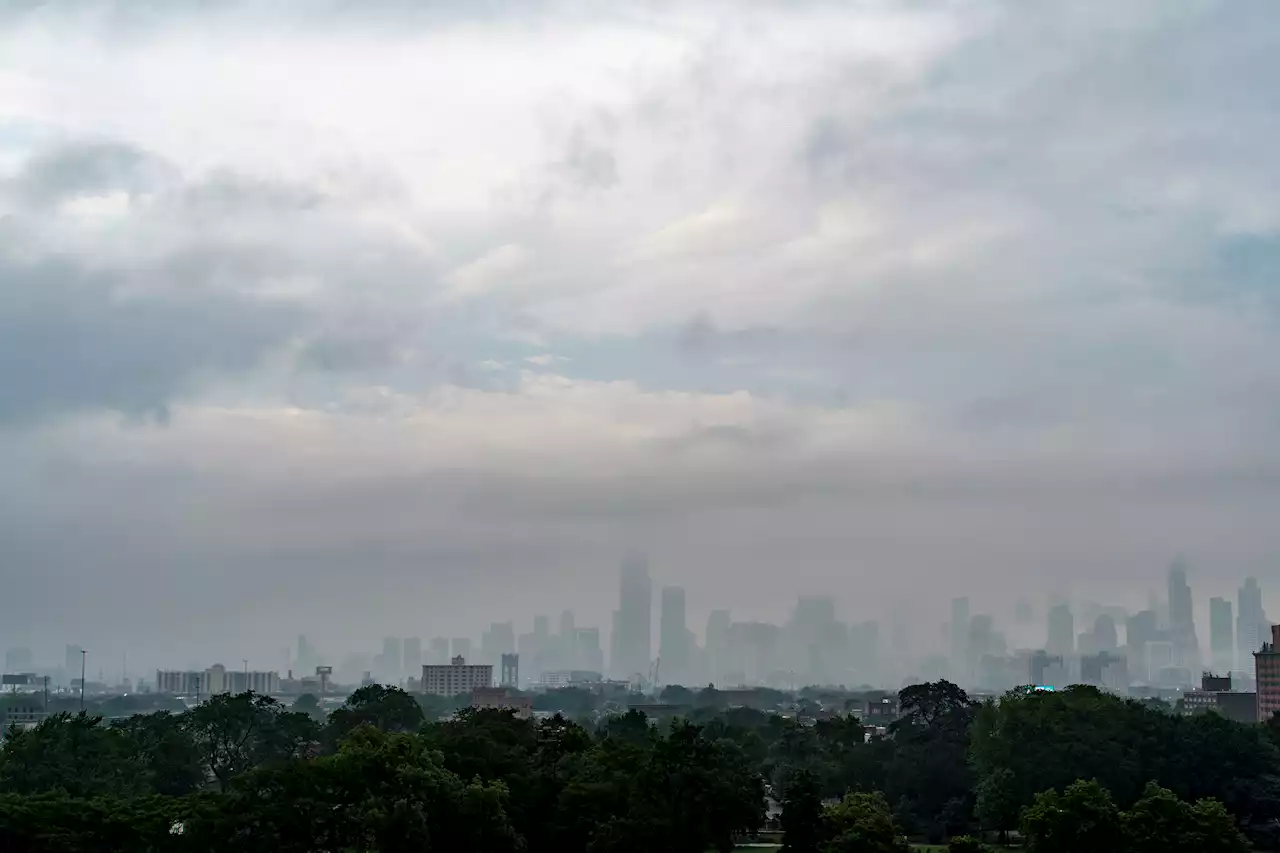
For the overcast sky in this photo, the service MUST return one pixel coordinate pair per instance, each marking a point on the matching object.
(395, 317)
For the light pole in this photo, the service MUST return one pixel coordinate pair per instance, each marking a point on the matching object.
(83, 655)
(245, 661)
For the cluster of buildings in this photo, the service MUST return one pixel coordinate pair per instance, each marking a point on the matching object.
(1153, 651)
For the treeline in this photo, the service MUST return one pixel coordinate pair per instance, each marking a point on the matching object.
(243, 772)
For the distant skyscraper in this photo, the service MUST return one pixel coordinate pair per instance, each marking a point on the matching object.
(439, 651)
(632, 623)
(1221, 635)
(567, 642)
(413, 656)
(960, 639)
(1140, 628)
(589, 653)
(1182, 627)
(499, 640)
(1062, 631)
(1252, 626)
(510, 672)
(718, 645)
(307, 660)
(1104, 634)
(673, 637)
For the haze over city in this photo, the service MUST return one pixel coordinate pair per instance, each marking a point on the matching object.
(392, 319)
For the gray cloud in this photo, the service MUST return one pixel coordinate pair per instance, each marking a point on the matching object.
(89, 168)
(74, 340)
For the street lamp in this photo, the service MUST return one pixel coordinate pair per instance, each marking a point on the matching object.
(83, 655)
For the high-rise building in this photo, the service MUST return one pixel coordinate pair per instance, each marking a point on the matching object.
(1104, 633)
(1221, 635)
(718, 645)
(673, 637)
(1266, 672)
(1252, 626)
(960, 639)
(1140, 629)
(392, 661)
(499, 640)
(510, 672)
(1182, 627)
(632, 622)
(1062, 631)
(590, 655)
(439, 651)
(412, 656)
(567, 642)
(307, 659)
(456, 677)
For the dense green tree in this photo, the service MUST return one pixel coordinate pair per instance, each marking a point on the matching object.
(162, 744)
(308, 704)
(386, 708)
(235, 733)
(929, 775)
(1049, 740)
(384, 792)
(1083, 817)
(997, 802)
(861, 823)
(965, 844)
(1159, 822)
(930, 703)
(802, 827)
(56, 822)
(574, 702)
(78, 755)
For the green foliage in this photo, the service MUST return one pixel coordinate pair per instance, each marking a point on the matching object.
(308, 704)
(80, 756)
(1161, 823)
(56, 822)
(1049, 740)
(996, 801)
(574, 702)
(234, 734)
(929, 774)
(1083, 817)
(162, 745)
(249, 774)
(384, 792)
(861, 823)
(386, 708)
(802, 814)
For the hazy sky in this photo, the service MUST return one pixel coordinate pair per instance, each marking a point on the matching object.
(396, 317)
